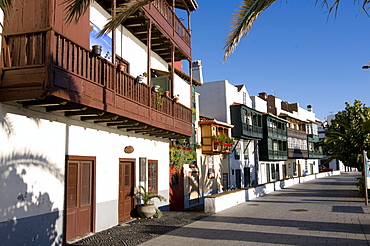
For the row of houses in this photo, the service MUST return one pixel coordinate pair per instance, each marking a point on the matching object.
(86, 119)
(272, 139)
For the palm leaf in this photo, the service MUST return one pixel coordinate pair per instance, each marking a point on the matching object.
(75, 9)
(122, 13)
(5, 5)
(249, 10)
(241, 24)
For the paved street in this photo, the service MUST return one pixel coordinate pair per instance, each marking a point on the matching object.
(324, 211)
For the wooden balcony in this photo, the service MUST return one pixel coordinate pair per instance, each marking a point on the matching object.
(313, 138)
(297, 153)
(166, 29)
(44, 69)
(317, 154)
(277, 155)
(247, 122)
(276, 133)
(211, 128)
(298, 134)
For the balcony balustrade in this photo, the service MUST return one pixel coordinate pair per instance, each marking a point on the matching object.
(277, 133)
(315, 154)
(46, 63)
(172, 19)
(277, 155)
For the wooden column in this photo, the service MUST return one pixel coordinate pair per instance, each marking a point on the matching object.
(114, 79)
(172, 75)
(149, 44)
(114, 34)
(191, 82)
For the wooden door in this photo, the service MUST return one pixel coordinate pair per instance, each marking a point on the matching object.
(79, 198)
(126, 190)
(225, 181)
(247, 176)
(176, 189)
(238, 178)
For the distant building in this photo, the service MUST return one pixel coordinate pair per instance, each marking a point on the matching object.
(303, 149)
(231, 104)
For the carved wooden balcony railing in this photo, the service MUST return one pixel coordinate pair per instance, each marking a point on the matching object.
(172, 19)
(45, 63)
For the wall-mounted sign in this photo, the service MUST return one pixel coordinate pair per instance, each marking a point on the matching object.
(129, 149)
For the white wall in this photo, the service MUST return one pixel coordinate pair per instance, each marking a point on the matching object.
(182, 88)
(212, 101)
(32, 161)
(259, 104)
(215, 100)
(32, 154)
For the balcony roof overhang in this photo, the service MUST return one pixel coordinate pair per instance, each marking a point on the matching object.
(208, 121)
(85, 113)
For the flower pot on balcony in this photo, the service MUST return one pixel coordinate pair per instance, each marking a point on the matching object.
(166, 94)
(96, 50)
(156, 88)
(217, 146)
(121, 67)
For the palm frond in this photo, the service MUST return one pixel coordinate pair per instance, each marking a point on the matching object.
(241, 24)
(147, 196)
(249, 10)
(75, 9)
(122, 13)
(5, 5)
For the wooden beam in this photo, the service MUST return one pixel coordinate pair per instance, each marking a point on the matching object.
(50, 101)
(134, 128)
(67, 107)
(135, 21)
(87, 112)
(102, 117)
(123, 124)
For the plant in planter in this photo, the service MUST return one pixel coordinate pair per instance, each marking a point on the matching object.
(181, 154)
(147, 209)
(229, 142)
(176, 97)
(159, 95)
(218, 142)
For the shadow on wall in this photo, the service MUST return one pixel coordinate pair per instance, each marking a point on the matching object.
(27, 218)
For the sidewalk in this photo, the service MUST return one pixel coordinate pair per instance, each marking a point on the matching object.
(324, 211)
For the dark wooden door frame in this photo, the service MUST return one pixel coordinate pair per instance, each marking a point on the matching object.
(93, 200)
(133, 160)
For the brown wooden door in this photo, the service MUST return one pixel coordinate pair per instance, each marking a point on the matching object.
(126, 190)
(176, 189)
(79, 198)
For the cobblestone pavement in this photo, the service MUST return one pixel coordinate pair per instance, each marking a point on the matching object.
(324, 211)
(137, 231)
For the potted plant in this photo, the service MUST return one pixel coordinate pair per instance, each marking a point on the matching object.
(159, 95)
(147, 209)
(121, 67)
(176, 97)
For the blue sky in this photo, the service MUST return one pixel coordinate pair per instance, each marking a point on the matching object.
(293, 51)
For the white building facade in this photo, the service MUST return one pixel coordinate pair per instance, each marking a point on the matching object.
(215, 101)
(76, 134)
